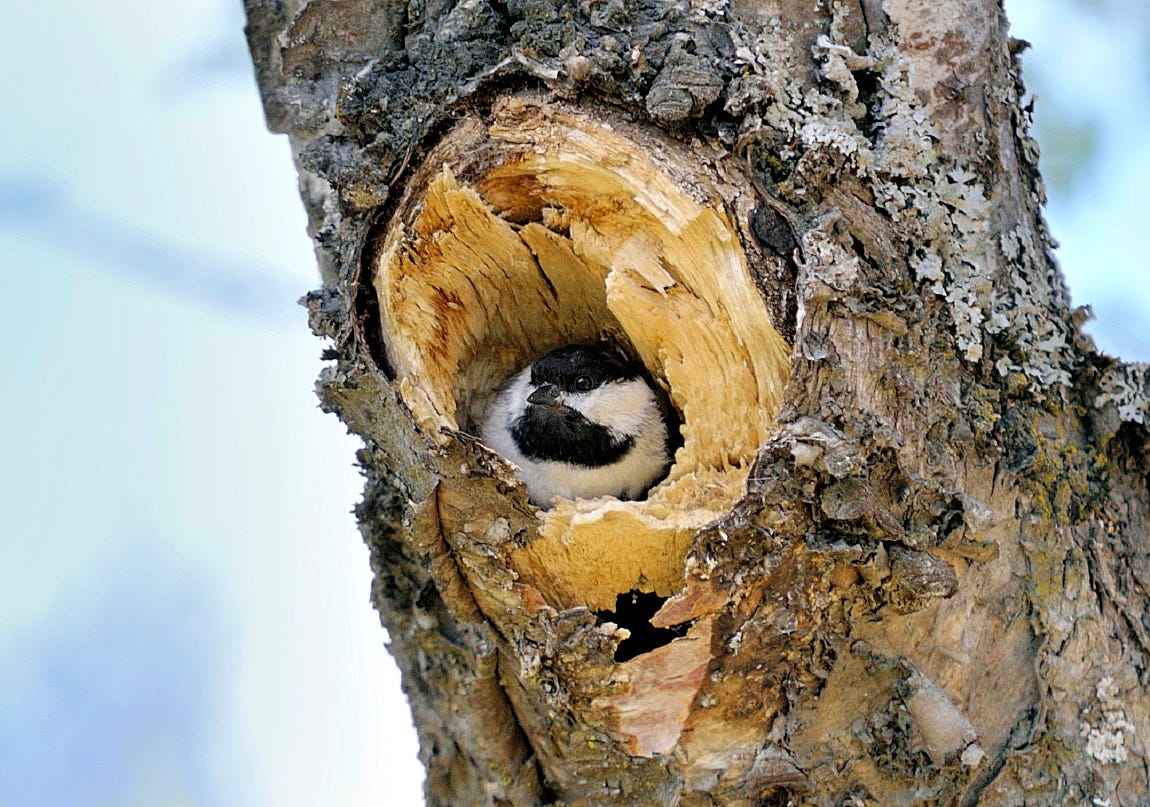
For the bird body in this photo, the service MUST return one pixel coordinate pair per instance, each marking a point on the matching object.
(580, 422)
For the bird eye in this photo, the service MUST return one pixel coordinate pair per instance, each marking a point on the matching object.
(584, 383)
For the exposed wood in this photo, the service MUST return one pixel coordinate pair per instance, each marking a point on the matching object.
(573, 235)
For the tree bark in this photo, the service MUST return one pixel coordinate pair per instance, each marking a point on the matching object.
(901, 555)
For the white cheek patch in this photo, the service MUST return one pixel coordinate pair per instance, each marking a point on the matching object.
(624, 406)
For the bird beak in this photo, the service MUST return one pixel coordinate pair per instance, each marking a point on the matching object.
(546, 395)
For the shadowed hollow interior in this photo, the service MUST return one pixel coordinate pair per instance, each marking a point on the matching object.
(566, 231)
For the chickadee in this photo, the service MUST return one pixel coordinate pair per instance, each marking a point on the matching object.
(581, 422)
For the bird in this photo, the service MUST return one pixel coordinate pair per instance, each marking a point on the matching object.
(582, 422)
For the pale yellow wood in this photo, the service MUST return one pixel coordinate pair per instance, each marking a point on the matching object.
(577, 233)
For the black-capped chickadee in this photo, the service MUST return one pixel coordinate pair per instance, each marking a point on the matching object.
(581, 422)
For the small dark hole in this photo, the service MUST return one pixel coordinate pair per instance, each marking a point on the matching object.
(633, 611)
(775, 797)
(869, 93)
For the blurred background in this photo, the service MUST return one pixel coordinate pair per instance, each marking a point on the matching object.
(184, 614)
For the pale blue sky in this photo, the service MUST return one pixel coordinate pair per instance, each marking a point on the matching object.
(184, 614)
(1089, 69)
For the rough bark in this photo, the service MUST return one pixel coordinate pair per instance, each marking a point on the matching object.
(901, 556)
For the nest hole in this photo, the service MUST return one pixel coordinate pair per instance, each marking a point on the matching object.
(633, 612)
(542, 228)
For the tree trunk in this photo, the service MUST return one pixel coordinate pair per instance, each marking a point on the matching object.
(901, 555)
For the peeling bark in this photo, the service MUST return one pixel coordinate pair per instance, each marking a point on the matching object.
(900, 557)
